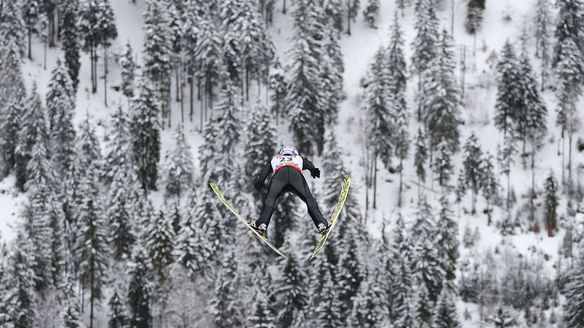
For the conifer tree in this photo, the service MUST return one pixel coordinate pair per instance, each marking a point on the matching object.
(425, 44)
(71, 314)
(445, 315)
(279, 89)
(57, 258)
(128, 71)
(224, 307)
(422, 307)
(474, 16)
(441, 97)
(447, 244)
(489, 183)
(303, 80)
(117, 160)
(420, 157)
(19, 297)
(443, 166)
(371, 13)
(368, 303)
(503, 318)
(10, 120)
(261, 316)
(569, 26)
(229, 129)
(472, 167)
(543, 20)
(88, 150)
(327, 305)
(352, 12)
(260, 143)
(145, 137)
(331, 76)
(31, 11)
(160, 244)
(179, 167)
(505, 158)
(508, 92)
(12, 28)
(69, 31)
(157, 67)
(290, 292)
(139, 293)
(120, 220)
(117, 314)
(91, 249)
(551, 205)
(33, 127)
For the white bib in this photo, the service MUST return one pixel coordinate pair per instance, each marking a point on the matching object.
(279, 162)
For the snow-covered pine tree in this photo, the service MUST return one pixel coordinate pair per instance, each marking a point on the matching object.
(447, 244)
(474, 16)
(441, 97)
(306, 119)
(443, 166)
(225, 306)
(325, 303)
(426, 266)
(128, 71)
(569, 25)
(31, 11)
(425, 43)
(569, 70)
(290, 292)
(159, 243)
(12, 28)
(91, 248)
(157, 67)
(10, 116)
(420, 158)
(551, 205)
(508, 91)
(331, 76)
(574, 290)
(489, 183)
(542, 32)
(260, 145)
(380, 121)
(69, 31)
(334, 12)
(503, 317)
(117, 313)
(261, 317)
(371, 13)
(178, 167)
(229, 127)
(57, 246)
(396, 61)
(12, 35)
(145, 136)
(120, 220)
(88, 150)
(505, 155)
(207, 61)
(279, 89)
(139, 292)
(60, 102)
(118, 159)
(33, 127)
(368, 308)
(71, 312)
(445, 314)
(19, 298)
(472, 168)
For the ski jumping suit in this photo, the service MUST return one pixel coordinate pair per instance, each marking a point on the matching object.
(288, 177)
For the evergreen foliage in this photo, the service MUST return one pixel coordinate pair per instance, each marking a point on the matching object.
(178, 167)
(139, 293)
(290, 293)
(128, 71)
(474, 16)
(69, 31)
(551, 205)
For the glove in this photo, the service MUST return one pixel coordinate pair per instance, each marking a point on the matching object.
(315, 173)
(258, 185)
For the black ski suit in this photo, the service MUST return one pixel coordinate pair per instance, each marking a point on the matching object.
(288, 179)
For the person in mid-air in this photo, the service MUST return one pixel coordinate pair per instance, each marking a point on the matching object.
(287, 167)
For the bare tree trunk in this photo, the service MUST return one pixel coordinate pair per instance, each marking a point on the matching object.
(375, 182)
(401, 184)
(348, 17)
(463, 69)
(508, 203)
(532, 198)
(563, 159)
(177, 84)
(105, 75)
(452, 18)
(284, 7)
(91, 297)
(191, 100)
(570, 139)
(30, 44)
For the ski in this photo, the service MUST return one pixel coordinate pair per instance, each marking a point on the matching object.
(333, 219)
(224, 200)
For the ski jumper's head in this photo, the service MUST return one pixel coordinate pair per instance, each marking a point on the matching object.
(288, 151)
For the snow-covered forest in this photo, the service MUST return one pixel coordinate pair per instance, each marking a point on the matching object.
(459, 122)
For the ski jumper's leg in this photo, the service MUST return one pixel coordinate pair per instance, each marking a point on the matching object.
(300, 187)
(275, 190)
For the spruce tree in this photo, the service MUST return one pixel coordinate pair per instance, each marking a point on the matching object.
(474, 16)
(224, 304)
(128, 71)
(420, 157)
(551, 205)
(443, 166)
(290, 292)
(279, 89)
(543, 20)
(157, 67)
(331, 76)
(503, 318)
(31, 11)
(120, 221)
(10, 120)
(261, 317)
(489, 183)
(178, 167)
(447, 244)
(505, 155)
(19, 297)
(422, 307)
(441, 97)
(368, 303)
(71, 314)
(12, 28)
(159, 244)
(445, 314)
(472, 168)
(508, 91)
(371, 13)
(569, 26)
(117, 314)
(327, 304)
(70, 35)
(303, 80)
(139, 293)
(145, 137)
(91, 249)
(118, 157)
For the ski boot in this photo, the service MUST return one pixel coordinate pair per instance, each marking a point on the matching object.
(323, 227)
(262, 229)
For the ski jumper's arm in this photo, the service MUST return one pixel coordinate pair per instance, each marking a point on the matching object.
(308, 165)
(266, 170)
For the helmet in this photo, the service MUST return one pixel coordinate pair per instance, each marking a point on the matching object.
(288, 150)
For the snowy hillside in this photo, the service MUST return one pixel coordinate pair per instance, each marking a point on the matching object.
(458, 121)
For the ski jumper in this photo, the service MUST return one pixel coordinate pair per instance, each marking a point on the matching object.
(288, 177)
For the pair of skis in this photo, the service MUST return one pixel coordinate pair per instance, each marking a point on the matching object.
(324, 236)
